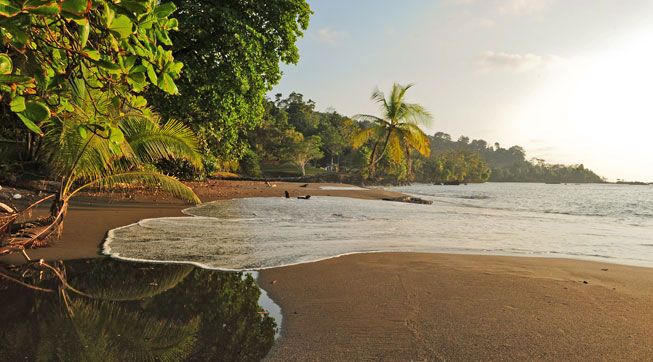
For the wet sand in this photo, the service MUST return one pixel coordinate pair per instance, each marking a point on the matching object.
(403, 306)
(92, 216)
(407, 306)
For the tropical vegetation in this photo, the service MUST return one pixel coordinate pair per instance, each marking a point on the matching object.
(397, 131)
(446, 160)
(232, 52)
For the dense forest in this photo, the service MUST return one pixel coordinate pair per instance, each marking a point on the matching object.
(292, 132)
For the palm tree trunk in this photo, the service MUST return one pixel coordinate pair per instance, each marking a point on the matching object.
(385, 146)
(372, 163)
(409, 176)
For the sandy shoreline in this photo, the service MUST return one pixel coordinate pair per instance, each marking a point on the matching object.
(90, 218)
(405, 306)
(408, 306)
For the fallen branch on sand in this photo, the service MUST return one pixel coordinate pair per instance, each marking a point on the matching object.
(16, 237)
(409, 199)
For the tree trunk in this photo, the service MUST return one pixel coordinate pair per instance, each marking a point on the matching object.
(303, 166)
(385, 146)
(409, 161)
(372, 163)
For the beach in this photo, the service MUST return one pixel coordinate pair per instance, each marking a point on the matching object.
(404, 306)
(411, 306)
(92, 215)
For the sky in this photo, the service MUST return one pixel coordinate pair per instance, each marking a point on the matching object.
(569, 80)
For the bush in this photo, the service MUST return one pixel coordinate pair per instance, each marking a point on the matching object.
(250, 164)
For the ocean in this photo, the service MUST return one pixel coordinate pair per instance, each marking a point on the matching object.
(602, 222)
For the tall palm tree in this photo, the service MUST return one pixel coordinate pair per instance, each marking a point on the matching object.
(397, 130)
(98, 144)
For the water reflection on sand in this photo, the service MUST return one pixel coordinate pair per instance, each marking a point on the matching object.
(136, 311)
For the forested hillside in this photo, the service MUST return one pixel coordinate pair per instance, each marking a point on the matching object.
(294, 134)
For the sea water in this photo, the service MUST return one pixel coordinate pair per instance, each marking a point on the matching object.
(604, 222)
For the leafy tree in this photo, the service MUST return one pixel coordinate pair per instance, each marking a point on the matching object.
(116, 47)
(285, 118)
(456, 165)
(506, 164)
(232, 50)
(397, 131)
(268, 138)
(303, 150)
(336, 132)
(301, 114)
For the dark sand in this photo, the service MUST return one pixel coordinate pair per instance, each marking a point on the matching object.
(407, 306)
(403, 306)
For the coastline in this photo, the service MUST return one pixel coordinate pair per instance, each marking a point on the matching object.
(92, 216)
(410, 305)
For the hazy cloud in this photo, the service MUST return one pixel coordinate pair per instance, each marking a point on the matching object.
(523, 7)
(508, 7)
(330, 36)
(498, 61)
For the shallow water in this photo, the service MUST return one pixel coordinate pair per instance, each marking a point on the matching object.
(136, 311)
(611, 223)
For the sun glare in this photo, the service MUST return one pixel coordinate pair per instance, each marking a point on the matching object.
(603, 102)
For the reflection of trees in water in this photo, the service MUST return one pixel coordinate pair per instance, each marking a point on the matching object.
(141, 312)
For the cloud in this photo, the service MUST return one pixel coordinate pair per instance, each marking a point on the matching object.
(498, 61)
(330, 36)
(523, 7)
(508, 7)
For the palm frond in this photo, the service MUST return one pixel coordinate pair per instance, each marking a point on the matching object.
(395, 151)
(379, 97)
(414, 113)
(151, 141)
(369, 118)
(399, 91)
(144, 178)
(362, 137)
(415, 138)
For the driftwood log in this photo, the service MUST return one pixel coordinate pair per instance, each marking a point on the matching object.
(409, 199)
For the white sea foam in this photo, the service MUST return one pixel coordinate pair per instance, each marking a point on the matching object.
(343, 188)
(259, 233)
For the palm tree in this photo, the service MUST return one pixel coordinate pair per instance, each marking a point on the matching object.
(397, 131)
(98, 144)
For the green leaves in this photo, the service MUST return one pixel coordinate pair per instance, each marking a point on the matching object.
(15, 79)
(122, 26)
(76, 7)
(36, 111)
(164, 10)
(84, 31)
(167, 84)
(17, 104)
(8, 9)
(30, 124)
(30, 113)
(132, 55)
(41, 7)
(92, 54)
(116, 136)
(6, 65)
(136, 6)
